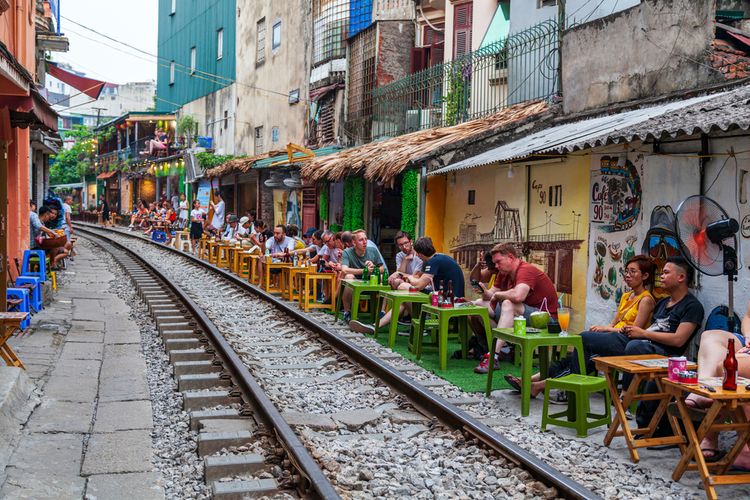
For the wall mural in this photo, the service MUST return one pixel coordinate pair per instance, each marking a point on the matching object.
(627, 220)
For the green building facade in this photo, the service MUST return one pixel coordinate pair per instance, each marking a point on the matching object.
(196, 50)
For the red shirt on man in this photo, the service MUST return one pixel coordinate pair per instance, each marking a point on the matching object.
(540, 286)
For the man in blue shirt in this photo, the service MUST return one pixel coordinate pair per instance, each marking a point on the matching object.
(438, 268)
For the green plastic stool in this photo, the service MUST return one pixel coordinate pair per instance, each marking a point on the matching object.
(577, 415)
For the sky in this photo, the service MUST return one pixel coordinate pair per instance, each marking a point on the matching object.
(133, 22)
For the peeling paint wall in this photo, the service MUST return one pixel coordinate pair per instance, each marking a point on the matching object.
(262, 96)
(657, 47)
(210, 112)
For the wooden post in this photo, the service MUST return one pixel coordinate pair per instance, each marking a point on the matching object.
(3, 223)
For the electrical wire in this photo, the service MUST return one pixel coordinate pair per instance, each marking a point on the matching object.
(223, 81)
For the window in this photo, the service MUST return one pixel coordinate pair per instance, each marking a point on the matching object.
(171, 73)
(472, 197)
(220, 43)
(462, 21)
(258, 140)
(276, 36)
(260, 43)
(226, 119)
(546, 3)
(192, 60)
(275, 135)
(174, 7)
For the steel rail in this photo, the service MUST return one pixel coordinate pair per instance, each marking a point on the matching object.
(314, 478)
(422, 398)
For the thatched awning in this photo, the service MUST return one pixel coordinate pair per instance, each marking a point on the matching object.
(384, 160)
(240, 165)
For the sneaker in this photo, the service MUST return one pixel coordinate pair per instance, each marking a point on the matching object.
(558, 397)
(405, 321)
(359, 327)
(628, 414)
(484, 366)
(347, 317)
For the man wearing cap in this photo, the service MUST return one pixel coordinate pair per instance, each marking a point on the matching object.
(232, 227)
(245, 227)
(312, 242)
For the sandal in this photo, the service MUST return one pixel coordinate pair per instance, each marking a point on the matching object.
(513, 381)
(711, 455)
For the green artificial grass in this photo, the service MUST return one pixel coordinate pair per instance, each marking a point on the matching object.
(460, 372)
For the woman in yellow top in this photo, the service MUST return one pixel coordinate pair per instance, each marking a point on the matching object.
(635, 309)
(636, 306)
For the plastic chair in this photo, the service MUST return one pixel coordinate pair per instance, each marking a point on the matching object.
(36, 299)
(38, 255)
(577, 415)
(182, 240)
(23, 295)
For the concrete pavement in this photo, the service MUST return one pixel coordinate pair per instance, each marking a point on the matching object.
(89, 433)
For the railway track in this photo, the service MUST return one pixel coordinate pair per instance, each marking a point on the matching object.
(335, 409)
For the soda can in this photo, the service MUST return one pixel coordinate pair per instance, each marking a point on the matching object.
(676, 365)
(519, 325)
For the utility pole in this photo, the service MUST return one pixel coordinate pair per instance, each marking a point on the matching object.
(98, 114)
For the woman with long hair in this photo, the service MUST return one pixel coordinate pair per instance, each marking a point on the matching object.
(197, 216)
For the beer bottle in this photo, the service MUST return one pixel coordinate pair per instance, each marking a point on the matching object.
(451, 298)
(384, 281)
(730, 368)
(377, 275)
(365, 274)
(286, 255)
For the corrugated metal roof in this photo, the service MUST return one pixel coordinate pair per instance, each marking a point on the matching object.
(722, 111)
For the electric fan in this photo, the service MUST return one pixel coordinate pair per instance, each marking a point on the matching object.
(708, 239)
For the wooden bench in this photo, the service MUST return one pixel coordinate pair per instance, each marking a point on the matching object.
(9, 322)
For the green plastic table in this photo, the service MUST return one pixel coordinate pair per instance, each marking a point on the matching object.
(444, 315)
(359, 288)
(396, 298)
(529, 343)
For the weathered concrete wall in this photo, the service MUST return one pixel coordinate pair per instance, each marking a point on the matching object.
(262, 95)
(210, 112)
(668, 180)
(530, 12)
(657, 47)
(392, 58)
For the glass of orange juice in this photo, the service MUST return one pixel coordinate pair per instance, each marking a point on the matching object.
(563, 317)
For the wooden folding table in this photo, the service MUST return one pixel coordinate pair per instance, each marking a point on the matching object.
(9, 322)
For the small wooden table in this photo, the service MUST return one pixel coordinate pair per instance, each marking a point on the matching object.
(9, 322)
(611, 365)
(289, 284)
(529, 343)
(266, 283)
(359, 288)
(724, 403)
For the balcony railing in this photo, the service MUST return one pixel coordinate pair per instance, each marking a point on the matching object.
(519, 68)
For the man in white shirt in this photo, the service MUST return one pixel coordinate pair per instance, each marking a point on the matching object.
(245, 227)
(219, 207)
(232, 227)
(276, 248)
(407, 261)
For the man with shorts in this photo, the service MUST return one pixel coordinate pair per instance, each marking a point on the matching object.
(519, 290)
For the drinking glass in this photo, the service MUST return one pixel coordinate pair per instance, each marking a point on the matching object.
(563, 317)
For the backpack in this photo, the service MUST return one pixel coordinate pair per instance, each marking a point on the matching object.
(719, 320)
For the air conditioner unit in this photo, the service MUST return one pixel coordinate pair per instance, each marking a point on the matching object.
(418, 119)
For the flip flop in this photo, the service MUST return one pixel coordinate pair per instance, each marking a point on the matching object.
(513, 381)
(716, 455)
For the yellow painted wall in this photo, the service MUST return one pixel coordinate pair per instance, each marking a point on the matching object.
(435, 210)
(557, 218)
(490, 184)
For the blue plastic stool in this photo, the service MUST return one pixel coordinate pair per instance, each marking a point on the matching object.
(24, 306)
(26, 267)
(37, 300)
(159, 236)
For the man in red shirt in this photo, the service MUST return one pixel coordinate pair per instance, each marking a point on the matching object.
(519, 290)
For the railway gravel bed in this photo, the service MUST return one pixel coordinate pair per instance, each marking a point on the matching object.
(369, 439)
